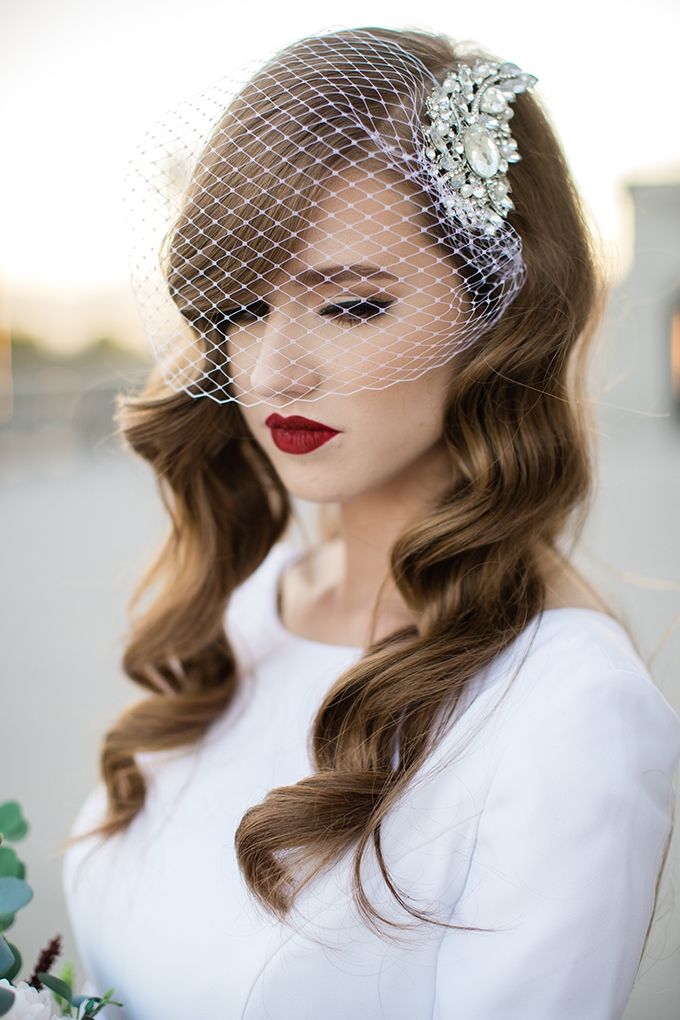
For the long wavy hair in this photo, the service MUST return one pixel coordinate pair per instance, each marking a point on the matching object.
(517, 428)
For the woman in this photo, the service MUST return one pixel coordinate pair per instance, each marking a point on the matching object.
(414, 769)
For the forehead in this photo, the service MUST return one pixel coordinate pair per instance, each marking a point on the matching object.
(368, 216)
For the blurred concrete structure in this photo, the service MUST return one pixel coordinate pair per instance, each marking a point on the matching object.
(635, 350)
(81, 520)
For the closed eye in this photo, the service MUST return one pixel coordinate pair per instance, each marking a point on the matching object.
(356, 311)
(256, 310)
(351, 312)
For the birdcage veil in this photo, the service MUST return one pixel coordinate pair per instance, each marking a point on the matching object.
(327, 219)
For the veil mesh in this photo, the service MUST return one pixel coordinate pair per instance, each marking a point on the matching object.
(301, 229)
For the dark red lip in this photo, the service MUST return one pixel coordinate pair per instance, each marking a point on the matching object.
(296, 434)
(295, 421)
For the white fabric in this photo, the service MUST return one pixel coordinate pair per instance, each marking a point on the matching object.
(548, 825)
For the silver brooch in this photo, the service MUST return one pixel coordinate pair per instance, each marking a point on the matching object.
(469, 144)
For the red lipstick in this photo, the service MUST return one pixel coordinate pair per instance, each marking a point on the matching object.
(296, 434)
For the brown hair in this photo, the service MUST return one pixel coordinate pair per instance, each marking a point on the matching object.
(517, 431)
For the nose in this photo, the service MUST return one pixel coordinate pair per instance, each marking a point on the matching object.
(285, 366)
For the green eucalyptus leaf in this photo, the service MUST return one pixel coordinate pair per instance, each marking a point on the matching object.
(13, 825)
(14, 894)
(109, 1000)
(9, 862)
(68, 973)
(78, 999)
(97, 1003)
(56, 985)
(13, 971)
(6, 958)
(6, 921)
(7, 998)
(18, 962)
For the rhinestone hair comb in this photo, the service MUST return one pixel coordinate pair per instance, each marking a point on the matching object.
(468, 140)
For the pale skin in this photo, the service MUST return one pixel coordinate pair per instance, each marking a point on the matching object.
(389, 461)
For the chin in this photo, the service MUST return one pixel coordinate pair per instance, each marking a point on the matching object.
(317, 494)
(321, 486)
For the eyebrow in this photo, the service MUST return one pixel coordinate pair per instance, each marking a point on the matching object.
(342, 274)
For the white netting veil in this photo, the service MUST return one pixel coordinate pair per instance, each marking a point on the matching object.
(332, 219)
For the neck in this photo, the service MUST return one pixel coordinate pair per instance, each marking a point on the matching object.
(370, 524)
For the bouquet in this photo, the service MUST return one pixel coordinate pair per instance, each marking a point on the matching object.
(28, 1000)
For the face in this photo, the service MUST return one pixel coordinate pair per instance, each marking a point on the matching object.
(299, 354)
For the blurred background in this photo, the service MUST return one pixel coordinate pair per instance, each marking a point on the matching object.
(81, 82)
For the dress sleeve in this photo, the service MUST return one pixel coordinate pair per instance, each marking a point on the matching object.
(568, 849)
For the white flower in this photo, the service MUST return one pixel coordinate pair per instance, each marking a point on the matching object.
(30, 1004)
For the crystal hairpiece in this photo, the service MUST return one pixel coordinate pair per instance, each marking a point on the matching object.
(469, 144)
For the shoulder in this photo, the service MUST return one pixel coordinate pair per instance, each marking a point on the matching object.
(583, 661)
(571, 683)
(579, 711)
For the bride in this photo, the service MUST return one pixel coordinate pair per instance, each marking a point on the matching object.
(412, 767)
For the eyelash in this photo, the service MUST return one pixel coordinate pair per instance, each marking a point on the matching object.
(377, 307)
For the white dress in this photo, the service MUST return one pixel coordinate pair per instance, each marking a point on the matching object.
(547, 826)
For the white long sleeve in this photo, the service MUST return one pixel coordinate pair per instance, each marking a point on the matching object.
(568, 849)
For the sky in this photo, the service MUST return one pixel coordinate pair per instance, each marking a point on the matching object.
(82, 80)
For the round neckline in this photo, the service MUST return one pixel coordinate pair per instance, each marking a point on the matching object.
(293, 555)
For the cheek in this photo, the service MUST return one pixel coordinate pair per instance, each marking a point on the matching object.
(418, 406)
(403, 422)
